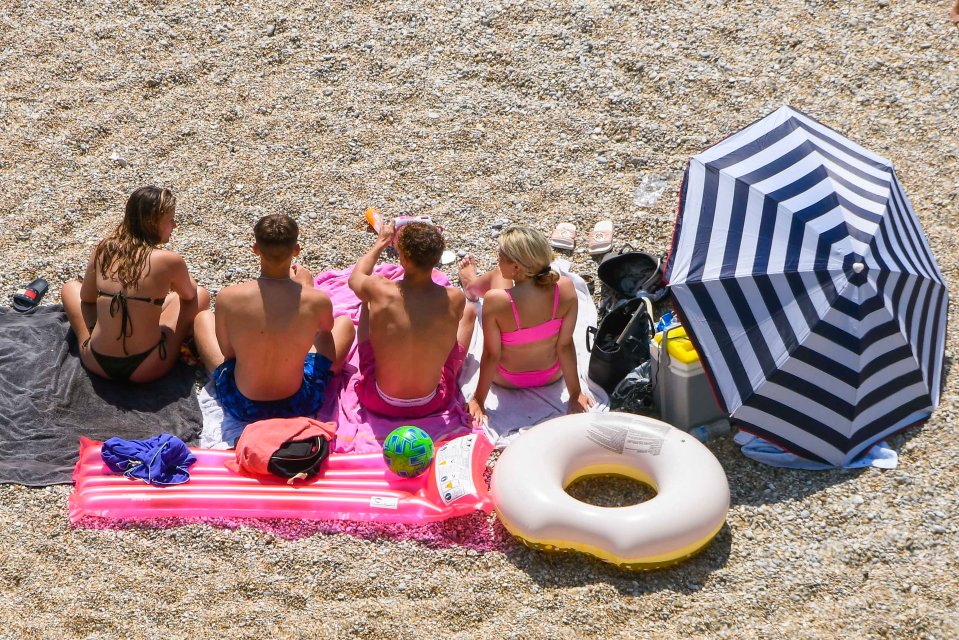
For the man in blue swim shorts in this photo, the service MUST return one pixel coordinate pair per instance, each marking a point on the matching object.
(272, 344)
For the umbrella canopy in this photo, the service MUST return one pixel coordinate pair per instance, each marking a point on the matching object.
(806, 283)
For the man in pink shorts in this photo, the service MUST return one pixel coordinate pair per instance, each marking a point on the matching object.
(412, 335)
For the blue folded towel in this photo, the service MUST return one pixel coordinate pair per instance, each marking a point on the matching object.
(879, 455)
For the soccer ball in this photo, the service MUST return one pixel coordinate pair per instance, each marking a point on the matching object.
(408, 451)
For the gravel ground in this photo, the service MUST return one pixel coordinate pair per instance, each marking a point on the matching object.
(476, 113)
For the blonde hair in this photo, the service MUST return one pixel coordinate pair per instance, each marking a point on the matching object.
(530, 249)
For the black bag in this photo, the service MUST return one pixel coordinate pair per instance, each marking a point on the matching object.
(621, 342)
(299, 456)
(629, 274)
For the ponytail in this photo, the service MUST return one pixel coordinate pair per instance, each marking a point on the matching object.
(546, 277)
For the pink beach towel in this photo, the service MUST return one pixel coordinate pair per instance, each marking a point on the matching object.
(359, 430)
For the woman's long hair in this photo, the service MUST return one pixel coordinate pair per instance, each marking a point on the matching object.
(529, 249)
(125, 252)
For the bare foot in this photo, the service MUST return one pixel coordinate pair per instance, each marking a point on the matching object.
(467, 272)
(954, 13)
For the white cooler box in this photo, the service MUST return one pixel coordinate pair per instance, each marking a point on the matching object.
(681, 392)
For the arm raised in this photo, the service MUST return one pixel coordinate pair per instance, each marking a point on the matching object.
(361, 280)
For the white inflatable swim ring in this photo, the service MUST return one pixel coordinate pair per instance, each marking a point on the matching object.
(692, 494)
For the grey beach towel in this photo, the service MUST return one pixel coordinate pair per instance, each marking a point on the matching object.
(48, 400)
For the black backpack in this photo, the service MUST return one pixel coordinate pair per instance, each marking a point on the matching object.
(630, 274)
(621, 342)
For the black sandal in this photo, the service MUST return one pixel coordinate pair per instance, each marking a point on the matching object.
(29, 297)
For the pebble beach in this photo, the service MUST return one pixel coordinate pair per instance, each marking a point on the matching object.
(479, 114)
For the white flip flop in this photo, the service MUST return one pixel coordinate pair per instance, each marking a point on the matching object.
(563, 236)
(601, 240)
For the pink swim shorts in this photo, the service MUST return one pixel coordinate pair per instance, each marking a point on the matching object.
(446, 390)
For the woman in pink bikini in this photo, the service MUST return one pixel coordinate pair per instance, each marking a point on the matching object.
(529, 312)
(136, 303)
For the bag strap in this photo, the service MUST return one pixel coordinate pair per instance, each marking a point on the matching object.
(655, 279)
(665, 347)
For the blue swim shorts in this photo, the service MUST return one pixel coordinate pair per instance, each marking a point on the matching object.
(305, 402)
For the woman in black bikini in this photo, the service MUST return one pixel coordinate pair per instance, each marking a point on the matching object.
(136, 303)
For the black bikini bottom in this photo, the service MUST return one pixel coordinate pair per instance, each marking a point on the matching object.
(120, 368)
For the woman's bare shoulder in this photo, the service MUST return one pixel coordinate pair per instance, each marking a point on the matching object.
(495, 301)
(566, 288)
(166, 258)
(496, 297)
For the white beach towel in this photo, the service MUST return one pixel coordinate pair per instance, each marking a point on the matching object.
(513, 410)
(220, 430)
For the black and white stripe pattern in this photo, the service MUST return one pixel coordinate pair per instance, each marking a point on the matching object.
(802, 274)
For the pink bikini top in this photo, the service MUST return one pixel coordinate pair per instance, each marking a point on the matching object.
(542, 331)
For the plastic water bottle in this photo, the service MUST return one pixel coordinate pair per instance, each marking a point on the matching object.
(665, 321)
(710, 430)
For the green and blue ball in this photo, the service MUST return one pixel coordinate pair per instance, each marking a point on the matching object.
(408, 451)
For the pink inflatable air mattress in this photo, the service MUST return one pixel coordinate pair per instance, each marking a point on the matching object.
(356, 487)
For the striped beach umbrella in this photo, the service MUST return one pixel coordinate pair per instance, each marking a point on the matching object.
(807, 285)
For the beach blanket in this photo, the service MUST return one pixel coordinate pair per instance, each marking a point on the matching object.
(358, 430)
(48, 400)
(513, 410)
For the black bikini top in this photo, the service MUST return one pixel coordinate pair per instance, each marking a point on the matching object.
(118, 302)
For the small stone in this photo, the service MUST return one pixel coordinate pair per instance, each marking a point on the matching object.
(117, 159)
(461, 253)
(270, 30)
(497, 225)
(238, 187)
(448, 257)
(328, 91)
(856, 500)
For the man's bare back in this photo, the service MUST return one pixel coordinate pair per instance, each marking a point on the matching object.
(258, 344)
(269, 326)
(412, 335)
(412, 329)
